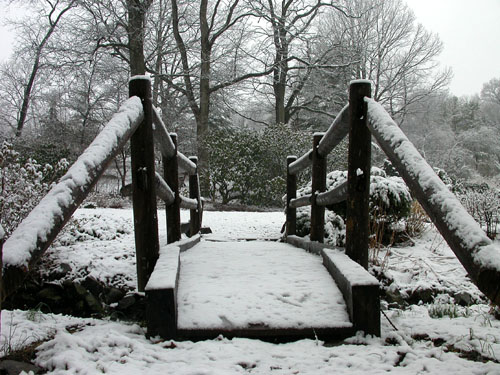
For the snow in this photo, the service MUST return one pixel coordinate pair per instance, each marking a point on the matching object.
(421, 343)
(139, 76)
(166, 269)
(38, 224)
(355, 81)
(457, 219)
(249, 284)
(355, 273)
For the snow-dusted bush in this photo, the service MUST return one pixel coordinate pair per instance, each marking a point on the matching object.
(334, 226)
(390, 203)
(483, 204)
(23, 184)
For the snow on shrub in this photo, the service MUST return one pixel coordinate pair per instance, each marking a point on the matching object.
(483, 203)
(390, 203)
(23, 184)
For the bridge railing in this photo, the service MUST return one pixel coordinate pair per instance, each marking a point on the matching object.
(477, 253)
(133, 121)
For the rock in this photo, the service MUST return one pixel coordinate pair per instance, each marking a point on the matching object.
(93, 286)
(51, 294)
(114, 295)
(463, 298)
(93, 304)
(126, 302)
(14, 367)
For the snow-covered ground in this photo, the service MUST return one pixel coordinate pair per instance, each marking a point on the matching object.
(441, 337)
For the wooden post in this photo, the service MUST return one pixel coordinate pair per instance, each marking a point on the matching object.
(143, 185)
(358, 174)
(318, 186)
(291, 193)
(194, 192)
(171, 175)
(2, 235)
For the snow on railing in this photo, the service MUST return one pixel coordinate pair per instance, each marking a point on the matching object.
(35, 233)
(479, 256)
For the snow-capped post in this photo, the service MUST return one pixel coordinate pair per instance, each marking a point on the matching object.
(194, 193)
(143, 185)
(171, 175)
(358, 174)
(291, 193)
(318, 186)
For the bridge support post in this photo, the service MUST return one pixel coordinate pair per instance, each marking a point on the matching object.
(318, 186)
(291, 193)
(143, 185)
(171, 175)
(194, 193)
(358, 174)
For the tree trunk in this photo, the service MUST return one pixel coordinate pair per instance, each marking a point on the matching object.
(204, 108)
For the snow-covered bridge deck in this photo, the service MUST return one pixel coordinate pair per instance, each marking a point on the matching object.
(226, 286)
(263, 289)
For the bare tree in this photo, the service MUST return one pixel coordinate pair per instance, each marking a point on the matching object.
(393, 51)
(290, 23)
(51, 12)
(213, 23)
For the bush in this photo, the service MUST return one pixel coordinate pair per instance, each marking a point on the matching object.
(390, 204)
(483, 203)
(249, 167)
(23, 184)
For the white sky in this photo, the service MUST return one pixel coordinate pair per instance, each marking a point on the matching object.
(470, 34)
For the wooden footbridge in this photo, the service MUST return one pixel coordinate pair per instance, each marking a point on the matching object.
(345, 298)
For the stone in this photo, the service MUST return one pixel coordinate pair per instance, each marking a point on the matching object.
(93, 304)
(10, 367)
(93, 286)
(126, 302)
(51, 294)
(463, 299)
(114, 295)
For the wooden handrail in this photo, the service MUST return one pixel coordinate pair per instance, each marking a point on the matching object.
(479, 256)
(163, 191)
(39, 229)
(337, 131)
(302, 201)
(166, 145)
(301, 163)
(336, 195)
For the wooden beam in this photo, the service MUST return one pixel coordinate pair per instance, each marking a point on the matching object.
(358, 175)
(194, 193)
(171, 174)
(291, 193)
(336, 195)
(337, 131)
(143, 185)
(318, 186)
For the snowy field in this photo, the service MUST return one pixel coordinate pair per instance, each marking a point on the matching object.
(437, 338)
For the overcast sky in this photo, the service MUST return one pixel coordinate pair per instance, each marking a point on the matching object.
(470, 31)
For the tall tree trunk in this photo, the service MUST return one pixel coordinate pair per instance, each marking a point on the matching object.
(136, 13)
(204, 108)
